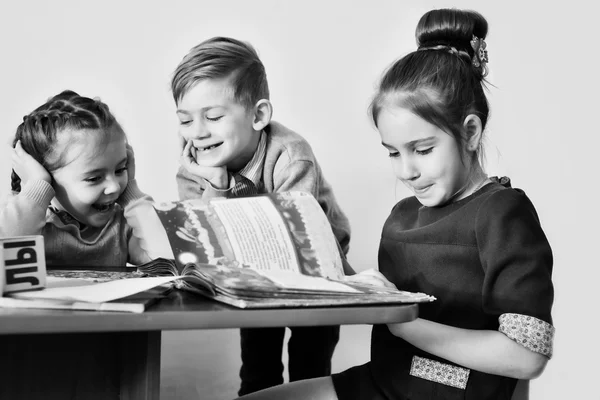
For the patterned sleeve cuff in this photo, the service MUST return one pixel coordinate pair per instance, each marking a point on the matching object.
(530, 332)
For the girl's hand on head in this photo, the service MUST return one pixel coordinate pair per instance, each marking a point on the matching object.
(27, 167)
(371, 277)
(130, 162)
(217, 176)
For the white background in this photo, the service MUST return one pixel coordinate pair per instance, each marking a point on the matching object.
(323, 59)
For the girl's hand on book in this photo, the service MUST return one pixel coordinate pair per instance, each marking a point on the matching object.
(27, 167)
(216, 176)
(371, 277)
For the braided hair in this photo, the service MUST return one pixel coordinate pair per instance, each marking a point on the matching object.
(40, 130)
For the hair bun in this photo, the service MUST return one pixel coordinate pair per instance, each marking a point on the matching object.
(451, 27)
(460, 30)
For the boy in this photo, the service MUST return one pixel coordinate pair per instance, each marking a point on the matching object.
(232, 148)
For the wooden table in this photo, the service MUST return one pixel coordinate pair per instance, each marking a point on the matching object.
(55, 354)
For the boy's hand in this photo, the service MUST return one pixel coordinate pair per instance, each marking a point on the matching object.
(217, 176)
(371, 277)
(27, 167)
(130, 162)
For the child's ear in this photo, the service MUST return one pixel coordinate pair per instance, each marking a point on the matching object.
(474, 130)
(263, 110)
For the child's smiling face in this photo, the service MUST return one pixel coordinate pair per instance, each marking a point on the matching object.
(93, 177)
(424, 157)
(221, 129)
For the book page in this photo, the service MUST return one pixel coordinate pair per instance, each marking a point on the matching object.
(291, 280)
(309, 227)
(283, 231)
(257, 233)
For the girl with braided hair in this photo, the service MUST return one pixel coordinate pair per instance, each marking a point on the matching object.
(73, 181)
(473, 242)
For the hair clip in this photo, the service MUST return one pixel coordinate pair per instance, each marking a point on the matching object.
(480, 56)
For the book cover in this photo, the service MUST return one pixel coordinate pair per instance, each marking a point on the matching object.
(81, 275)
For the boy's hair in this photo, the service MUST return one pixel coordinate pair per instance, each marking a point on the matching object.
(439, 81)
(219, 58)
(41, 130)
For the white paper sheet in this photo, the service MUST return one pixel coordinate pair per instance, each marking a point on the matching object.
(98, 292)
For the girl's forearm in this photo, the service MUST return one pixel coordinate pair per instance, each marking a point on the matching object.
(25, 213)
(483, 350)
(149, 239)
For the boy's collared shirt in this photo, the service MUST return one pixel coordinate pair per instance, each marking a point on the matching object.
(252, 171)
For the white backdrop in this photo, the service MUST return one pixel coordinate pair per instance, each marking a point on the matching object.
(323, 59)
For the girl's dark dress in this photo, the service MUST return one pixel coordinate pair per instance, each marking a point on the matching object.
(488, 262)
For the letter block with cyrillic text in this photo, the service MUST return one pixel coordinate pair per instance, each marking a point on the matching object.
(22, 263)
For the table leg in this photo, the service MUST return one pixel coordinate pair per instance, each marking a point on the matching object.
(110, 365)
(140, 368)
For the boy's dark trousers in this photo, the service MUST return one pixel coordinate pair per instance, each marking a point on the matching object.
(310, 349)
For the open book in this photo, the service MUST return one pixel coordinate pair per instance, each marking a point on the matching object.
(271, 250)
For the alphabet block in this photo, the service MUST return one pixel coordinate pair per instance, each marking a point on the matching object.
(22, 263)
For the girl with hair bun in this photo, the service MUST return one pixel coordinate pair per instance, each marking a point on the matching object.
(472, 241)
(73, 181)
